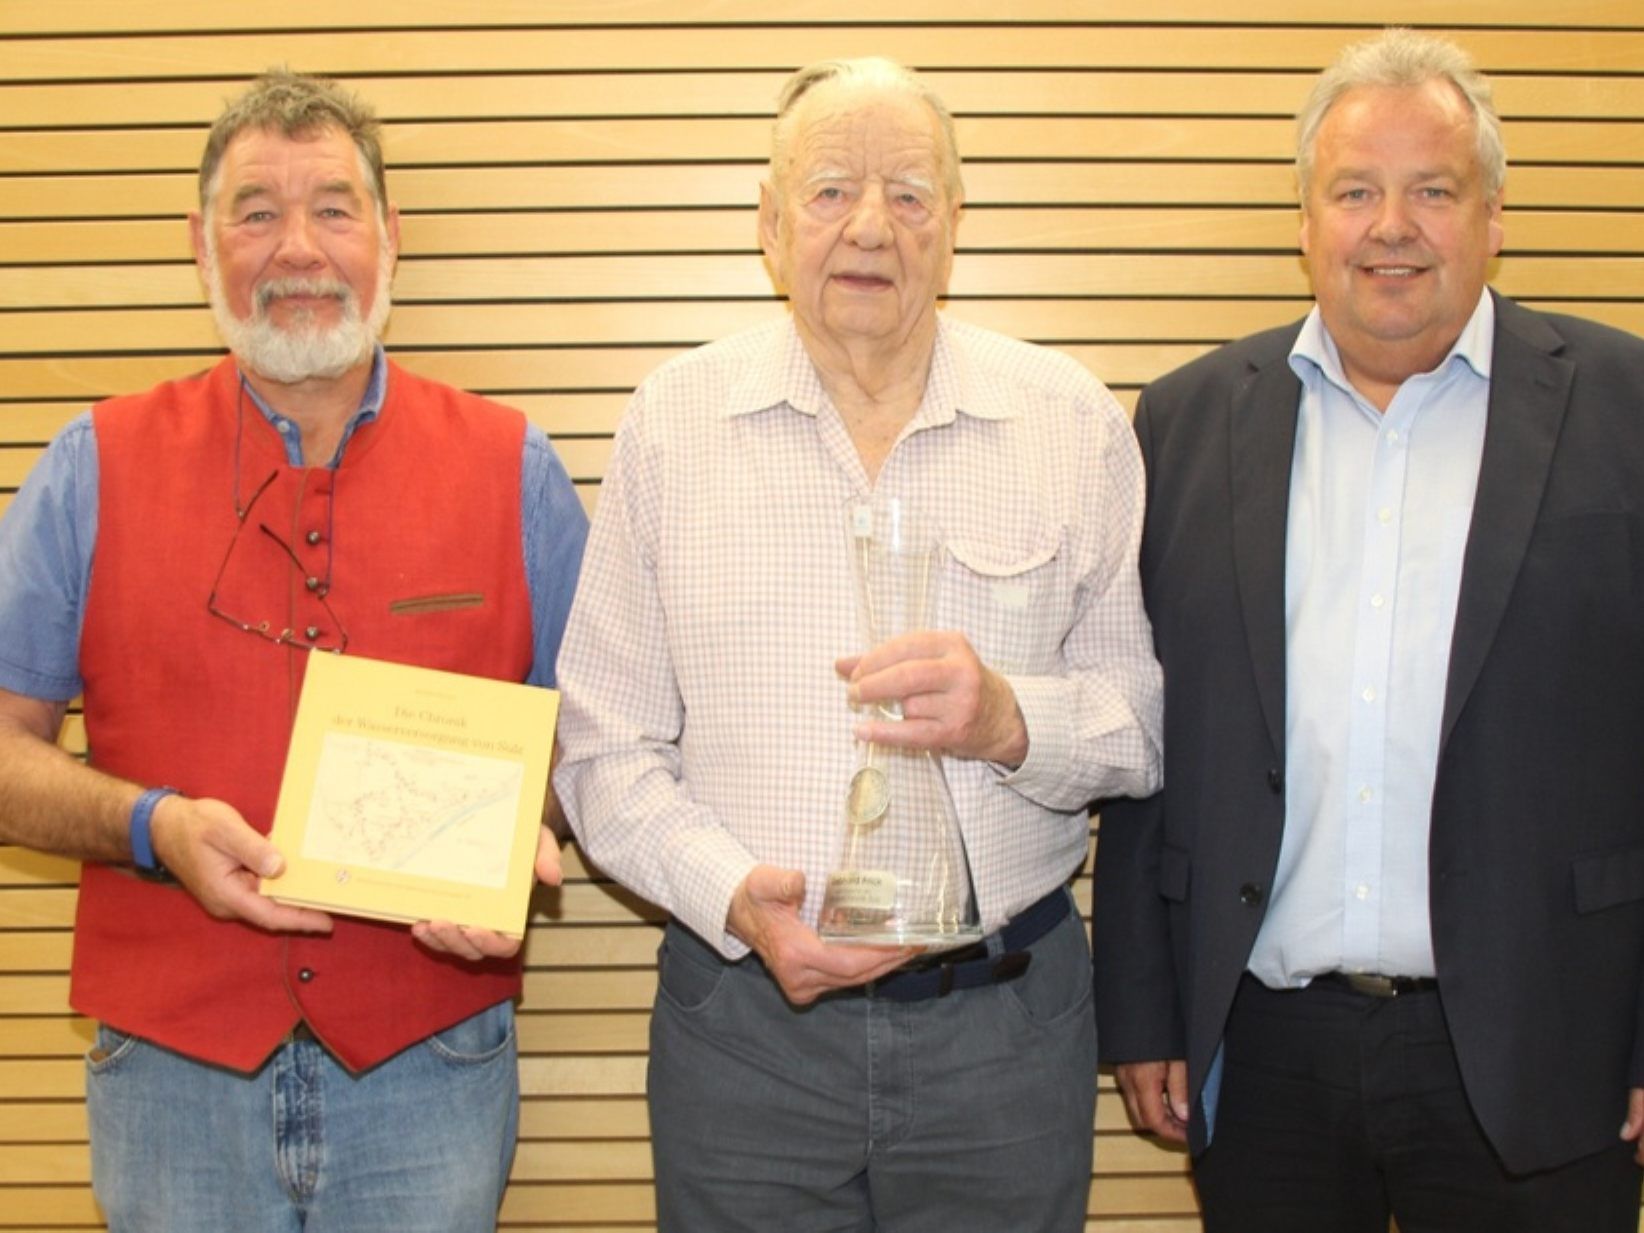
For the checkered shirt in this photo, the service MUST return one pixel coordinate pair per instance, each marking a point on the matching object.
(704, 730)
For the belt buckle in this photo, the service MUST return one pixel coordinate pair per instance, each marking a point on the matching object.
(1374, 985)
(1371, 985)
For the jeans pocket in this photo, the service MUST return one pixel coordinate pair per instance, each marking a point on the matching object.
(686, 976)
(108, 1049)
(1056, 985)
(478, 1038)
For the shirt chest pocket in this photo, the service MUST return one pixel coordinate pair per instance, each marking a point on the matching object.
(1013, 601)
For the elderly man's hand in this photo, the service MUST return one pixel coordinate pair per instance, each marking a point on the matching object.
(218, 857)
(765, 914)
(951, 702)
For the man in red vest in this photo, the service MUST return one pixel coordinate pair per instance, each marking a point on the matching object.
(174, 559)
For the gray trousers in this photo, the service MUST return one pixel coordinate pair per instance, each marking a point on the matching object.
(970, 1113)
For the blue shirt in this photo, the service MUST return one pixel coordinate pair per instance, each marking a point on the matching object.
(1380, 505)
(50, 531)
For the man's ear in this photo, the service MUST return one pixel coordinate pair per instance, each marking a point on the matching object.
(391, 222)
(769, 233)
(197, 240)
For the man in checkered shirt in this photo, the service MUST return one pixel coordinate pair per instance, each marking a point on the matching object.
(712, 707)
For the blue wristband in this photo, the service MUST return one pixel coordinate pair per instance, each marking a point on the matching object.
(142, 819)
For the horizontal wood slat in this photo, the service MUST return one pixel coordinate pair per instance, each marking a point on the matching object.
(189, 104)
(108, 16)
(714, 276)
(693, 139)
(490, 371)
(230, 56)
(733, 232)
(171, 195)
(568, 325)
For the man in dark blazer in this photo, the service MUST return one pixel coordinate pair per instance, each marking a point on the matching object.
(1377, 948)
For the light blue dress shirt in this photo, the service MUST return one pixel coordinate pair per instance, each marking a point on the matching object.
(50, 531)
(1380, 505)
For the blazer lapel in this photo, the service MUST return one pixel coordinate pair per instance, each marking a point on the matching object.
(1529, 391)
(1263, 436)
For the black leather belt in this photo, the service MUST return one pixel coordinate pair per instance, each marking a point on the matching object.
(972, 966)
(1372, 985)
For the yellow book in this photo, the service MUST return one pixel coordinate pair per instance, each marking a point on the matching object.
(411, 794)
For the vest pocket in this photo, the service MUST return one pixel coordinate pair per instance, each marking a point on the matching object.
(435, 603)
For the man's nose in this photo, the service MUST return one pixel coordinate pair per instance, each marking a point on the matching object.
(869, 224)
(1394, 223)
(298, 246)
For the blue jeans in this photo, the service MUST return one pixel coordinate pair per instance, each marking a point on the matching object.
(419, 1144)
(970, 1113)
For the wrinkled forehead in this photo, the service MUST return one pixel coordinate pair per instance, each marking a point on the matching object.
(335, 156)
(845, 129)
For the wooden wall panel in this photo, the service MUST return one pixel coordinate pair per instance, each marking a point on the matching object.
(578, 180)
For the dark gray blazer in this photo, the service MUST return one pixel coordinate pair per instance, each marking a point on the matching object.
(1537, 839)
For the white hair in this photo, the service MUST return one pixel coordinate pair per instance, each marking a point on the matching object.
(872, 72)
(1402, 58)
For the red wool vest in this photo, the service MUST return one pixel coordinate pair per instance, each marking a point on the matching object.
(419, 531)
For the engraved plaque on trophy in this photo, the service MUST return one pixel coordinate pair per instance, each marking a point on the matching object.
(902, 879)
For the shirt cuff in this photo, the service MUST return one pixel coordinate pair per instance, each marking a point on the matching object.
(30, 683)
(710, 869)
(1046, 703)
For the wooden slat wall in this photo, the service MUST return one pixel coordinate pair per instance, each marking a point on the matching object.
(578, 180)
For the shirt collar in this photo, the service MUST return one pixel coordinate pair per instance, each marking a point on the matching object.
(781, 374)
(376, 391)
(1314, 353)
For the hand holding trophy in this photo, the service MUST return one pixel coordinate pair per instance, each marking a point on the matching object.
(903, 879)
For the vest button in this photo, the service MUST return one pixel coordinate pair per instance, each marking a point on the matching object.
(305, 975)
(1250, 894)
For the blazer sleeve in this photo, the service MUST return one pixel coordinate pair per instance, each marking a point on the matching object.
(1138, 1010)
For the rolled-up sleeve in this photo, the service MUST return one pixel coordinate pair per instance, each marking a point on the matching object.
(46, 542)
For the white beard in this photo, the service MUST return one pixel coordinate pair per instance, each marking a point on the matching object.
(303, 349)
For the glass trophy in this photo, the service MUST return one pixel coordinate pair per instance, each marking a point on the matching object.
(903, 879)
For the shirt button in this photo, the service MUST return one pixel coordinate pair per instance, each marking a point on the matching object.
(305, 975)
(1250, 894)
(1384, 515)
(312, 537)
(1392, 436)
(1376, 601)
(1369, 694)
(1365, 794)
(1361, 892)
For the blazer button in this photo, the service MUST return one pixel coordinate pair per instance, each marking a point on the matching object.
(1275, 779)
(305, 975)
(1250, 894)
